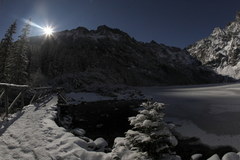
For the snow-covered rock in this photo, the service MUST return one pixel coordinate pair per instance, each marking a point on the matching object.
(196, 156)
(79, 132)
(67, 121)
(231, 156)
(214, 157)
(101, 144)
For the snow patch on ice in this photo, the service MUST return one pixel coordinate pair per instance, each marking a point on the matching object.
(189, 129)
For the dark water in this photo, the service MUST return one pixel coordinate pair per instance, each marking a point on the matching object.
(109, 119)
(106, 119)
(188, 146)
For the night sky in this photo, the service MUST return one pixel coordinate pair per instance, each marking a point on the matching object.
(172, 22)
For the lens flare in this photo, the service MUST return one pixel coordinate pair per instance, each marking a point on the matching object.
(48, 31)
(32, 23)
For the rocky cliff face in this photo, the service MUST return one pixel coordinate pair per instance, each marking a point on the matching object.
(221, 50)
(110, 56)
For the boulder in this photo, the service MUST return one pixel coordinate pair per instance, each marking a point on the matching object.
(101, 144)
(196, 156)
(231, 156)
(214, 157)
(79, 132)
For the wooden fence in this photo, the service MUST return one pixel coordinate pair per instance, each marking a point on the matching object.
(6, 89)
(20, 90)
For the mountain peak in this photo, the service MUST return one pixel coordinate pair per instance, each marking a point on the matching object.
(82, 29)
(238, 16)
(221, 50)
(217, 32)
(103, 29)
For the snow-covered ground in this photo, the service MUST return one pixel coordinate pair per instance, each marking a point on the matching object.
(210, 112)
(33, 134)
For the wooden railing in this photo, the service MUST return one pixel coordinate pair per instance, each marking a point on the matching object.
(5, 90)
(61, 98)
(43, 92)
(38, 94)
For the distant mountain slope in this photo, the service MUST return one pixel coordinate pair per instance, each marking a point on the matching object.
(221, 50)
(110, 56)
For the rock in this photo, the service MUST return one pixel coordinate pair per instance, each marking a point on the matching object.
(238, 154)
(214, 157)
(67, 121)
(238, 17)
(86, 139)
(99, 125)
(220, 50)
(101, 144)
(231, 156)
(171, 157)
(91, 145)
(173, 140)
(196, 156)
(79, 132)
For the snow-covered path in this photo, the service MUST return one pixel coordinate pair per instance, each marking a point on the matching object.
(33, 134)
(210, 112)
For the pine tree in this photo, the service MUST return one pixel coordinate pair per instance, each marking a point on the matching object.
(5, 48)
(150, 133)
(17, 62)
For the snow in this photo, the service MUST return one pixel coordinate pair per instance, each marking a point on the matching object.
(196, 156)
(33, 134)
(101, 144)
(232, 71)
(209, 112)
(231, 156)
(227, 156)
(79, 132)
(220, 50)
(120, 151)
(13, 85)
(214, 157)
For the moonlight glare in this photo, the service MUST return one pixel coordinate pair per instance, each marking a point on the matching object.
(48, 30)
(32, 24)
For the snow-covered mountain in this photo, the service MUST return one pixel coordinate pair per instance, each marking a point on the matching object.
(221, 50)
(110, 56)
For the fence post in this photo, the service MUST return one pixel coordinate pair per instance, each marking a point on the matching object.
(22, 99)
(6, 102)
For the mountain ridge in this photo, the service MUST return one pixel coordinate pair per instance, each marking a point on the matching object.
(110, 56)
(221, 50)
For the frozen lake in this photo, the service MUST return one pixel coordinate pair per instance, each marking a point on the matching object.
(210, 112)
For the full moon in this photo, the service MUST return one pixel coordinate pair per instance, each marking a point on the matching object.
(48, 31)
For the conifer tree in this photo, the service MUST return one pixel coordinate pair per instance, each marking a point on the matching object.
(150, 133)
(17, 62)
(5, 47)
